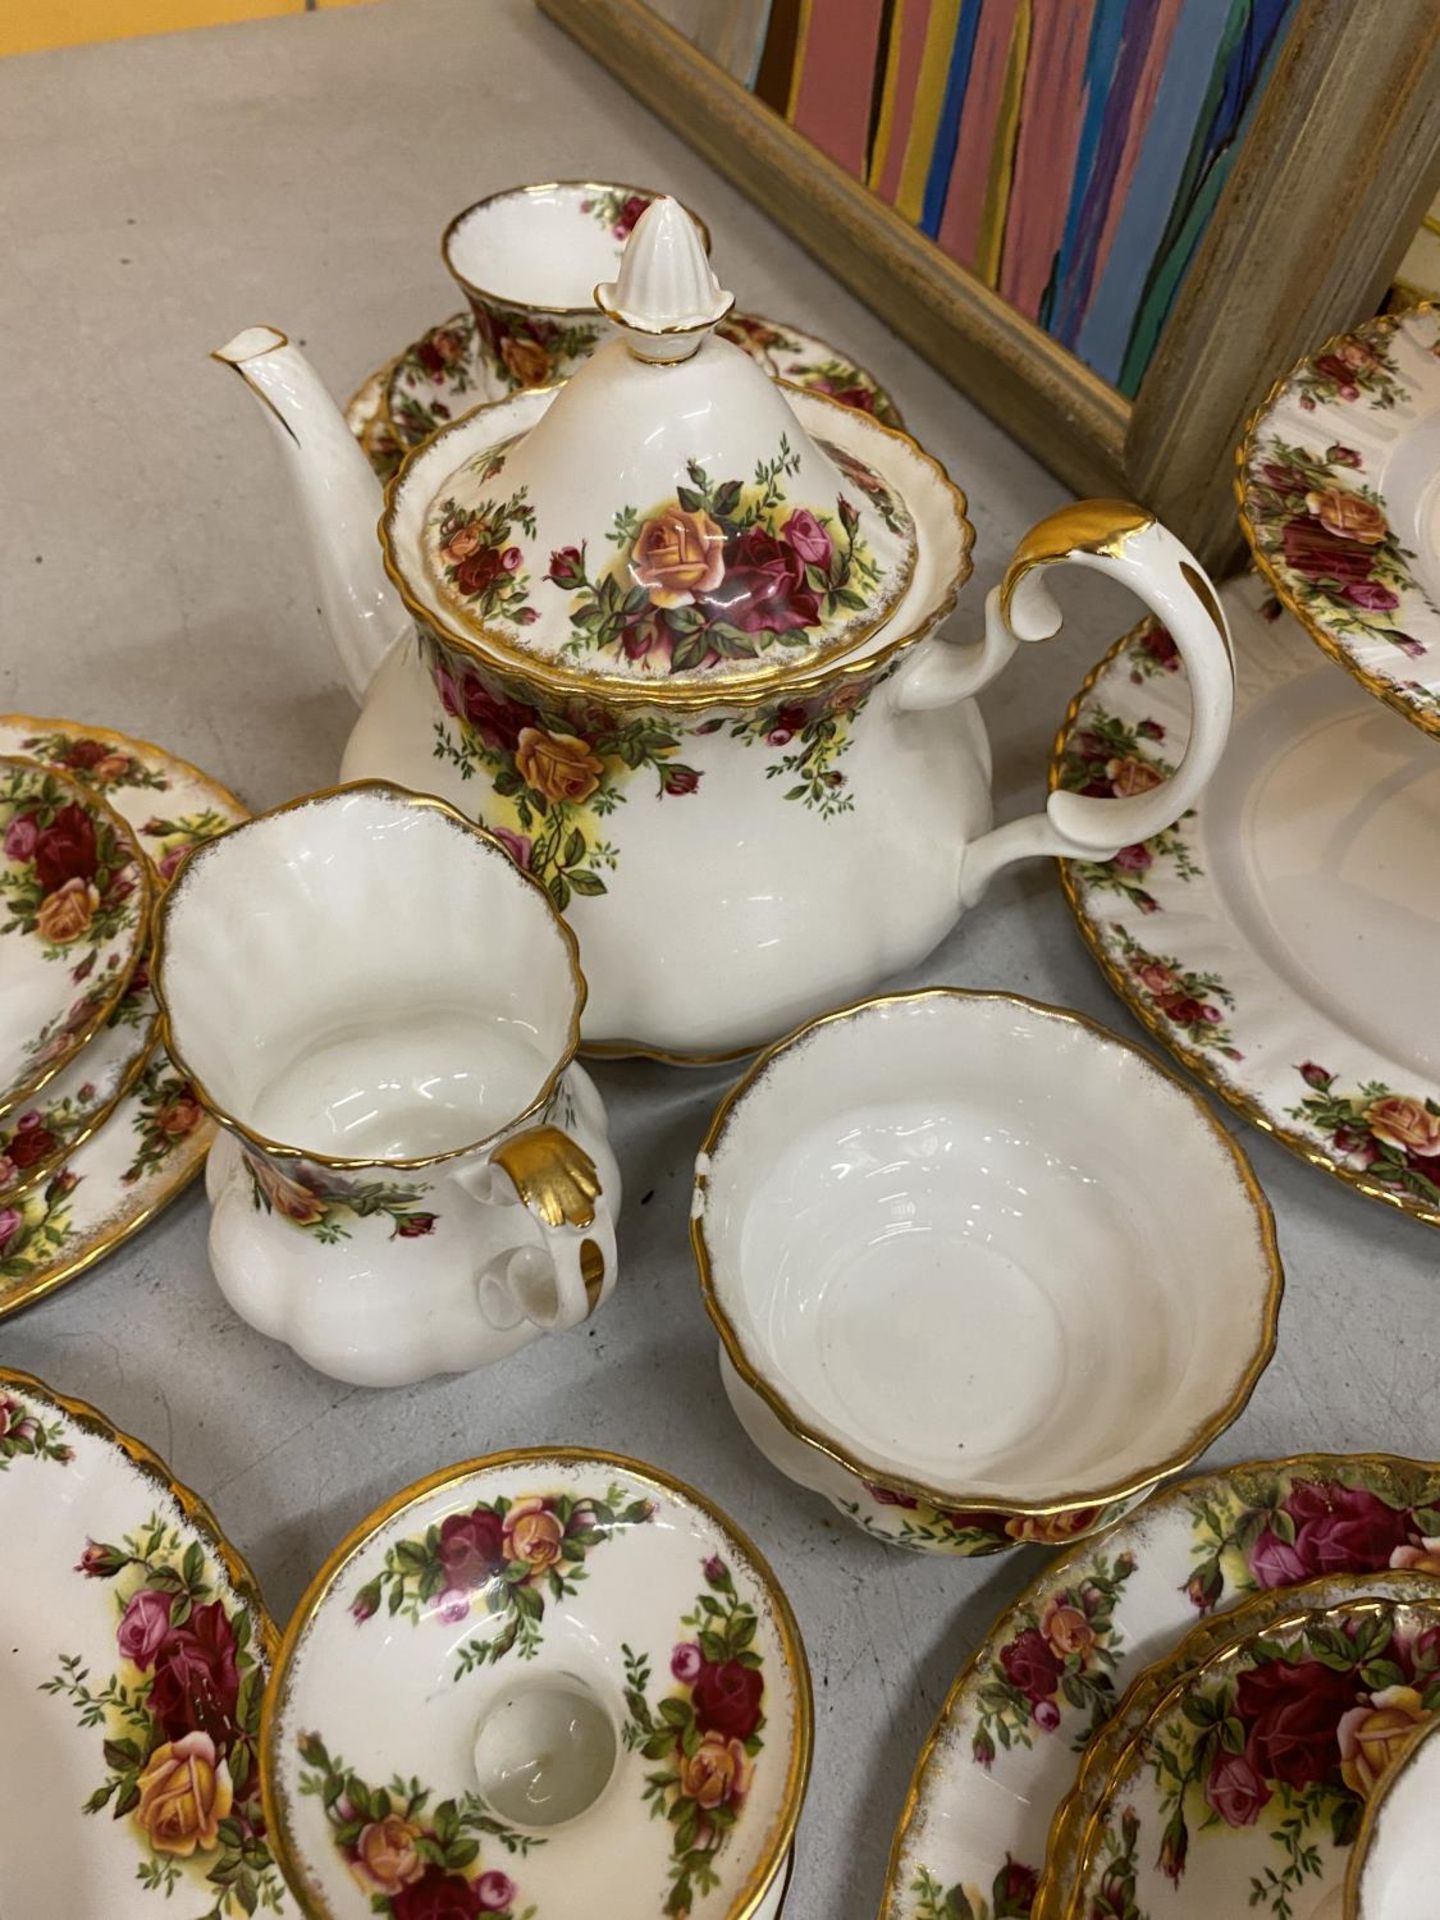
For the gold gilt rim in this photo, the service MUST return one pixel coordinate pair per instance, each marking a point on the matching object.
(279, 1149)
(1055, 1574)
(1189, 1057)
(147, 1462)
(1214, 1633)
(1385, 690)
(1374, 1813)
(35, 1176)
(90, 797)
(498, 654)
(1181, 1457)
(587, 311)
(1248, 1630)
(277, 1811)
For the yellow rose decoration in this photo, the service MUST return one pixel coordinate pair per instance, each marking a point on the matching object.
(557, 764)
(185, 1793)
(65, 914)
(533, 1535)
(1371, 1737)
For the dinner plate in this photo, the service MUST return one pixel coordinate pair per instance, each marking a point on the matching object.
(1052, 1670)
(1339, 490)
(135, 1648)
(1246, 1784)
(74, 917)
(156, 1135)
(1279, 939)
(442, 375)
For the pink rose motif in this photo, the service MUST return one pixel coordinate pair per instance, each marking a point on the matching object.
(453, 1605)
(496, 1891)
(809, 539)
(1134, 859)
(10, 1224)
(1046, 1715)
(143, 1627)
(517, 845)
(1235, 1790)
(1372, 596)
(20, 837)
(686, 1662)
(1338, 1529)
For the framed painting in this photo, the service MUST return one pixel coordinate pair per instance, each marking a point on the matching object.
(1110, 222)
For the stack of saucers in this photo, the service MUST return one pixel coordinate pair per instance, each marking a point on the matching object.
(1195, 1713)
(97, 1129)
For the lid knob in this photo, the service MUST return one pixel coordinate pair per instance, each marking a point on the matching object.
(666, 298)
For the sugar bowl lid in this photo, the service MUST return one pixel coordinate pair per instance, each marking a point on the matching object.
(668, 515)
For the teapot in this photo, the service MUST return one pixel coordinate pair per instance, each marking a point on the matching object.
(671, 631)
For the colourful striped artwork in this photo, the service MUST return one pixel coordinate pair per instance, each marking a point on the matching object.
(1069, 153)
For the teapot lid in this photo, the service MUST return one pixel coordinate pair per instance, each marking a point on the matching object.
(668, 518)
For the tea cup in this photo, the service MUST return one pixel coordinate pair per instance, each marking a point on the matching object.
(937, 1235)
(382, 1011)
(529, 260)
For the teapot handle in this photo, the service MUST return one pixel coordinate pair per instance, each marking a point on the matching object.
(1129, 545)
(559, 1280)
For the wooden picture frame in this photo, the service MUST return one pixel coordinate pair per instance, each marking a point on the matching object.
(1340, 162)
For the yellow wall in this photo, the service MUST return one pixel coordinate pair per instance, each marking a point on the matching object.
(27, 25)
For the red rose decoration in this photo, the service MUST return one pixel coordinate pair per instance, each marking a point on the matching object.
(764, 588)
(679, 780)
(65, 850)
(414, 1226)
(1235, 1790)
(1029, 1665)
(196, 1679)
(1337, 1530)
(437, 1895)
(498, 721)
(805, 534)
(1318, 554)
(726, 1697)
(1293, 1711)
(30, 1144)
(84, 754)
(1016, 1886)
(472, 1547)
(629, 213)
(480, 571)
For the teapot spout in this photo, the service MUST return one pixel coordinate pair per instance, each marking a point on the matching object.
(339, 494)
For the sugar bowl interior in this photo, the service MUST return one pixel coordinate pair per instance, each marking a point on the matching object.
(936, 1234)
(668, 628)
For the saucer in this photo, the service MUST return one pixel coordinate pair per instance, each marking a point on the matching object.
(1278, 939)
(1051, 1673)
(1336, 483)
(155, 1138)
(35, 1137)
(1247, 1782)
(74, 915)
(549, 1683)
(442, 375)
(931, 1308)
(136, 1646)
(1081, 1806)
(1395, 1862)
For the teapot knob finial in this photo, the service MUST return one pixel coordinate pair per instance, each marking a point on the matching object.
(666, 298)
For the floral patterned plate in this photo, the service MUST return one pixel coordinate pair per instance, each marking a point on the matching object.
(1279, 938)
(546, 1684)
(1338, 500)
(1342, 1772)
(154, 1140)
(1051, 1673)
(443, 375)
(1246, 1784)
(136, 1647)
(74, 915)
